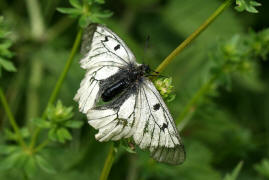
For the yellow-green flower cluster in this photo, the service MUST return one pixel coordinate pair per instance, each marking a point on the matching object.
(165, 87)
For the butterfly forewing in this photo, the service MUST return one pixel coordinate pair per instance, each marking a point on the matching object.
(138, 111)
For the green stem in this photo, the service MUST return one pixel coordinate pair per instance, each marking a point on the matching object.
(195, 34)
(108, 163)
(59, 83)
(194, 100)
(12, 119)
(41, 145)
(36, 20)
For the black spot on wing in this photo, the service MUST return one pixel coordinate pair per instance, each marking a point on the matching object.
(164, 126)
(156, 107)
(106, 39)
(117, 47)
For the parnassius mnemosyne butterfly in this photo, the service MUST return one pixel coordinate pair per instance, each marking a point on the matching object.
(134, 107)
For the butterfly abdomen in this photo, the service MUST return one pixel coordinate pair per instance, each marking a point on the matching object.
(115, 89)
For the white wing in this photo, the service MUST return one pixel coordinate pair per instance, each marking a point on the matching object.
(143, 115)
(105, 48)
(104, 55)
(155, 128)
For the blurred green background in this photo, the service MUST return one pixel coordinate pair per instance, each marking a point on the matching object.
(226, 127)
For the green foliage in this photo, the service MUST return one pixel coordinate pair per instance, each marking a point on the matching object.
(165, 87)
(5, 53)
(59, 119)
(247, 5)
(89, 12)
(263, 168)
(235, 173)
(16, 157)
(239, 55)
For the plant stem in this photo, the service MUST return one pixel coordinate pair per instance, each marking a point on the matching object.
(12, 119)
(195, 34)
(108, 163)
(41, 145)
(59, 83)
(36, 20)
(196, 98)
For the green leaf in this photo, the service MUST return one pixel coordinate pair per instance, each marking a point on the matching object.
(84, 21)
(263, 168)
(100, 1)
(7, 65)
(10, 161)
(52, 134)
(73, 124)
(42, 123)
(247, 5)
(71, 11)
(9, 149)
(30, 166)
(44, 165)
(63, 134)
(76, 4)
(235, 173)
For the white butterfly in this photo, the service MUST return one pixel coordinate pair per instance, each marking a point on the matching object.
(134, 107)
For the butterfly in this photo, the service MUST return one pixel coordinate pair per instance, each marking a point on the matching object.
(130, 105)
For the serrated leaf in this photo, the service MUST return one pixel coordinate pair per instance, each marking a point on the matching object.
(44, 165)
(7, 65)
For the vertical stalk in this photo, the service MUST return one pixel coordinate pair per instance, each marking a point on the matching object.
(108, 163)
(36, 20)
(11, 119)
(59, 82)
(37, 28)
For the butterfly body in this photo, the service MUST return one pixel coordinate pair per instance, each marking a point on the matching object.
(133, 106)
(129, 79)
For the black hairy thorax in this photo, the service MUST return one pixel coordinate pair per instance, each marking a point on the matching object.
(125, 79)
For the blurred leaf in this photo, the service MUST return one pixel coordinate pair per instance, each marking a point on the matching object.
(73, 124)
(43, 164)
(11, 161)
(86, 15)
(235, 173)
(76, 4)
(263, 168)
(71, 11)
(30, 166)
(42, 123)
(63, 135)
(247, 5)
